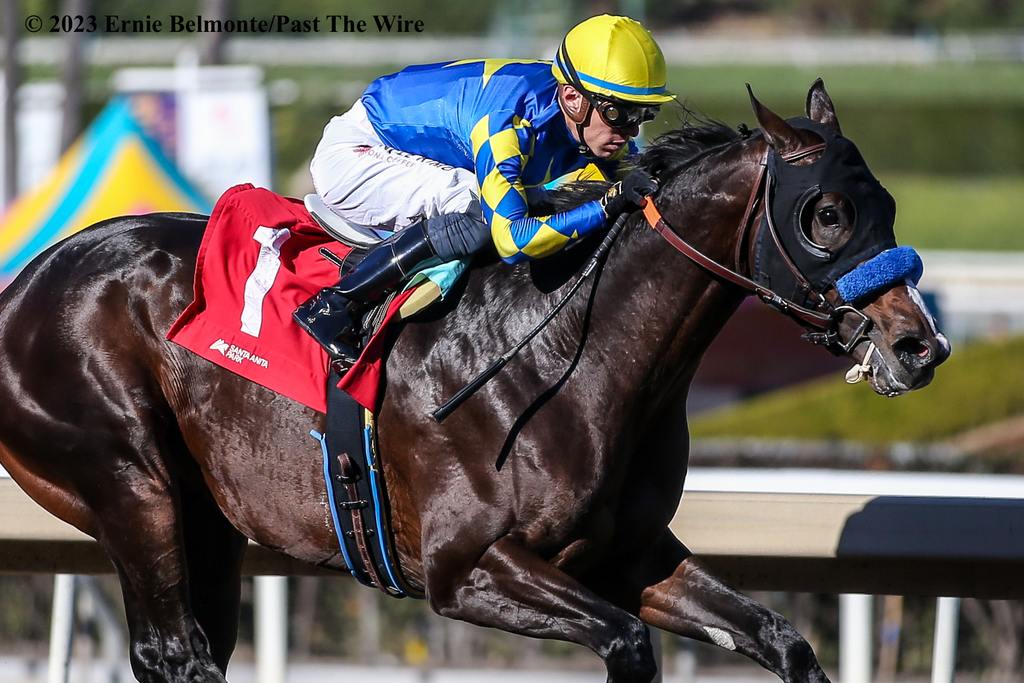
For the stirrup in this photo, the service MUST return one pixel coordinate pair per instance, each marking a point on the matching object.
(327, 324)
(340, 365)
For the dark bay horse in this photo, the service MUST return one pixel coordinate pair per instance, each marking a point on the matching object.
(171, 462)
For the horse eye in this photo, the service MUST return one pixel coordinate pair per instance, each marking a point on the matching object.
(828, 216)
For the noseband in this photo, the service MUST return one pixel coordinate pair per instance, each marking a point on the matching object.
(825, 317)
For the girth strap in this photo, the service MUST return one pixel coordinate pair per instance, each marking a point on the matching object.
(349, 475)
(357, 495)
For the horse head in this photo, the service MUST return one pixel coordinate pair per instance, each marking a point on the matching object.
(817, 242)
(835, 223)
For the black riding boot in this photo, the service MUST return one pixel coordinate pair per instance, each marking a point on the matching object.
(334, 315)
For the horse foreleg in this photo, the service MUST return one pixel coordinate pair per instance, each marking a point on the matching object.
(692, 603)
(515, 590)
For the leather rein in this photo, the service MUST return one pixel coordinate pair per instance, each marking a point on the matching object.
(826, 322)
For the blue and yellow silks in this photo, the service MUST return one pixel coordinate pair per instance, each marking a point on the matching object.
(500, 119)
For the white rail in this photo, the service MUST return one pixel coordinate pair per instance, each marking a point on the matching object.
(811, 530)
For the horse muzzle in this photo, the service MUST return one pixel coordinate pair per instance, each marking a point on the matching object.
(907, 364)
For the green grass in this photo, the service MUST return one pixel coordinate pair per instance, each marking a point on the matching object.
(952, 120)
(958, 213)
(979, 384)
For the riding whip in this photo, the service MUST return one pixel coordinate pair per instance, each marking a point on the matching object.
(449, 406)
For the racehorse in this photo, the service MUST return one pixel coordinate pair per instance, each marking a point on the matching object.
(171, 463)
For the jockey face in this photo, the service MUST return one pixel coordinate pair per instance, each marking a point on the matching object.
(599, 136)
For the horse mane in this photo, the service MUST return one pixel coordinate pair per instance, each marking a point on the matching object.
(667, 156)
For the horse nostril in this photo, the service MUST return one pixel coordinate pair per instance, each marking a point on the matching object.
(913, 349)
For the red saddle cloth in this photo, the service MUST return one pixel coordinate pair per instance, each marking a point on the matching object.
(258, 261)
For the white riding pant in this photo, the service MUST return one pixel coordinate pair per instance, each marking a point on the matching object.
(375, 186)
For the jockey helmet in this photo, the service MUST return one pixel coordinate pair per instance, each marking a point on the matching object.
(614, 57)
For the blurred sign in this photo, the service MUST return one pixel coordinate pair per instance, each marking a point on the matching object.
(213, 121)
(224, 138)
(38, 131)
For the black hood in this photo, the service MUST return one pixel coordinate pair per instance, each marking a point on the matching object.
(840, 169)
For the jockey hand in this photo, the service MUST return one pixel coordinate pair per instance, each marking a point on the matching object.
(629, 193)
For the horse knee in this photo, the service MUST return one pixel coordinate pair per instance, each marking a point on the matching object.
(443, 578)
(444, 600)
(440, 606)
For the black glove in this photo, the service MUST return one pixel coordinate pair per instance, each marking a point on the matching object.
(628, 193)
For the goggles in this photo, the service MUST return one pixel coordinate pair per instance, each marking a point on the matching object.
(622, 114)
(615, 113)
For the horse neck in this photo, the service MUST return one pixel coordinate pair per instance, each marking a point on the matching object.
(661, 311)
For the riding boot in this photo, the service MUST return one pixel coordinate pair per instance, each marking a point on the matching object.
(333, 317)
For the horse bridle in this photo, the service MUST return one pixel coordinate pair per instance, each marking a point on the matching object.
(826, 318)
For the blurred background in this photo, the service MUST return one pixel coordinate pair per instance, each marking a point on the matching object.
(101, 123)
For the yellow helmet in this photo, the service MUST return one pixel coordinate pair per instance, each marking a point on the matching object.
(614, 57)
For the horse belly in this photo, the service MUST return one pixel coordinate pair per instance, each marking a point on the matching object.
(259, 462)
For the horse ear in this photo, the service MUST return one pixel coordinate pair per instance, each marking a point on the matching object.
(780, 135)
(820, 108)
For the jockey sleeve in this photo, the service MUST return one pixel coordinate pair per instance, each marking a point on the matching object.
(502, 144)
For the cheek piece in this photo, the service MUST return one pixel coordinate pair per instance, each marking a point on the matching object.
(891, 267)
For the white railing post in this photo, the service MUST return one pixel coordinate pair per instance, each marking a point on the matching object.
(113, 639)
(855, 629)
(271, 606)
(659, 655)
(947, 619)
(62, 626)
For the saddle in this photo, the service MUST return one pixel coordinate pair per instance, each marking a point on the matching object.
(351, 234)
(261, 255)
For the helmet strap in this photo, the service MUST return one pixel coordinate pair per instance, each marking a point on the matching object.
(581, 127)
(582, 120)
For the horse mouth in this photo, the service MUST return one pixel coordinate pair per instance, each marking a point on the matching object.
(887, 381)
(889, 386)
(883, 379)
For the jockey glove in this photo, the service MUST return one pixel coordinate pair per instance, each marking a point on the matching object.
(628, 193)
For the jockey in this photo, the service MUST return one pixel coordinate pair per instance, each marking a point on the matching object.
(445, 155)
